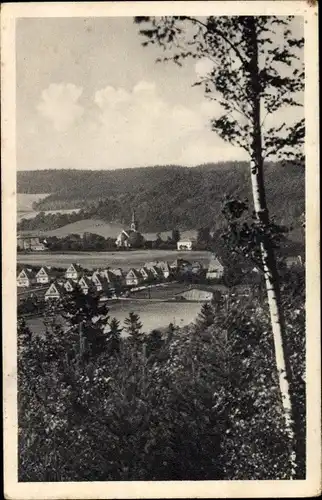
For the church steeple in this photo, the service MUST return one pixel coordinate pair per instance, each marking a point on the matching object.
(134, 225)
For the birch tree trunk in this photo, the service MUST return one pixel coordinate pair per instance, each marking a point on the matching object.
(267, 252)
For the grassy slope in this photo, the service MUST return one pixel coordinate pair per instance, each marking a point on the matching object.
(26, 200)
(87, 226)
(105, 229)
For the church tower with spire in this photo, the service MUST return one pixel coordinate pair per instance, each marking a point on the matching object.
(134, 225)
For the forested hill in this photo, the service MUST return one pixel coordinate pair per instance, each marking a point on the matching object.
(165, 196)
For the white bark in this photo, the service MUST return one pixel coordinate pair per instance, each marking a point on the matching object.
(267, 252)
(272, 290)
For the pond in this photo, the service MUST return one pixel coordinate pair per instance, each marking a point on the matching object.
(152, 314)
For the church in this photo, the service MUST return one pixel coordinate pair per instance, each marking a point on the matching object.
(130, 238)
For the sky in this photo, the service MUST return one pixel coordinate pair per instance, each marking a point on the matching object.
(89, 96)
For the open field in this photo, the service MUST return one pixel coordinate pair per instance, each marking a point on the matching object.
(25, 201)
(96, 226)
(87, 226)
(125, 260)
(32, 215)
(152, 314)
(24, 204)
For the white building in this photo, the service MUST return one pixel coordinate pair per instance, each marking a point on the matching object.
(74, 272)
(85, 284)
(26, 278)
(215, 269)
(43, 275)
(186, 244)
(133, 277)
(55, 291)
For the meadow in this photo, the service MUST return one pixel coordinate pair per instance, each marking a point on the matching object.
(32, 214)
(125, 260)
(95, 226)
(25, 203)
(152, 314)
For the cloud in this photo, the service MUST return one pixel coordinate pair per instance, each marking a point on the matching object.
(138, 127)
(125, 127)
(59, 104)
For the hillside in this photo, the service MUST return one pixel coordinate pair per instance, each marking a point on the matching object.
(104, 229)
(87, 226)
(165, 197)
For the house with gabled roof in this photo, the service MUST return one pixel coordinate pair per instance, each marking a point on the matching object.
(165, 268)
(100, 283)
(69, 285)
(159, 268)
(157, 272)
(146, 274)
(85, 284)
(43, 275)
(117, 271)
(114, 276)
(133, 277)
(55, 291)
(109, 276)
(74, 272)
(120, 275)
(215, 268)
(26, 278)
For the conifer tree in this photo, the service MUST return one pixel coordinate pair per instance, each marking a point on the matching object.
(206, 316)
(88, 318)
(154, 342)
(175, 235)
(114, 336)
(133, 327)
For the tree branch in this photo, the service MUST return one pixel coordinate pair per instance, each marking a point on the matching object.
(219, 33)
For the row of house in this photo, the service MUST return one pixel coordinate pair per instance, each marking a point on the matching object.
(27, 277)
(103, 280)
(151, 271)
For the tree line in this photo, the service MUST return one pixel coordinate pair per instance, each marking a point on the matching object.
(172, 197)
(200, 402)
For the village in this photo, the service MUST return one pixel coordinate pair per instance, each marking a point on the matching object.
(184, 280)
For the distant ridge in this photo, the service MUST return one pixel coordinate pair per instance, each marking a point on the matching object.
(167, 196)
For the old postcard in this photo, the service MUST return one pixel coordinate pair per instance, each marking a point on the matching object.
(160, 215)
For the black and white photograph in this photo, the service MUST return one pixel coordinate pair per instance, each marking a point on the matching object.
(163, 252)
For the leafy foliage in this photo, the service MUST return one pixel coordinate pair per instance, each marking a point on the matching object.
(228, 43)
(192, 403)
(244, 233)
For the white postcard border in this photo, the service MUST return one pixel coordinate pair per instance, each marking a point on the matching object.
(167, 489)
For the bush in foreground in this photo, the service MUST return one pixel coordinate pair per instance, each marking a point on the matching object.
(194, 403)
